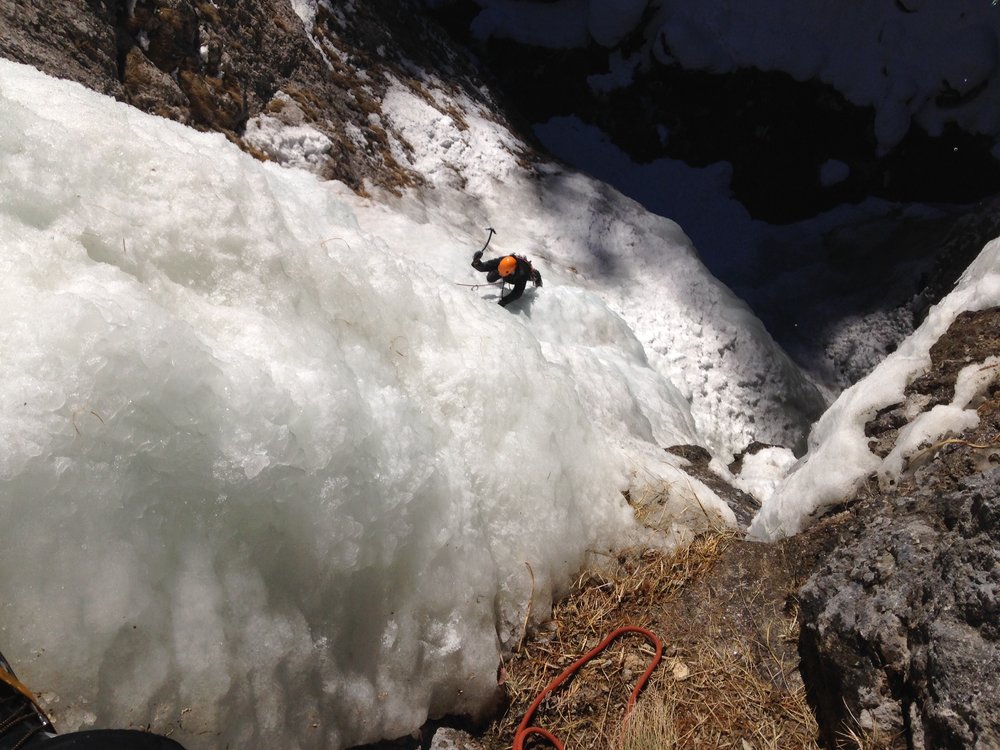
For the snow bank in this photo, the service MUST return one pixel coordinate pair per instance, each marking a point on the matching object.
(838, 459)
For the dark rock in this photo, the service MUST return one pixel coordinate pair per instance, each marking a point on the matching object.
(885, 427)
(971, 334)
(696, 454)
(150, 89)
(899, 627)
(743, 505)
(215, 102)
(72, 39)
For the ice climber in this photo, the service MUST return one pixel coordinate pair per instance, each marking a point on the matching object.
(515, 270)
(24, 726)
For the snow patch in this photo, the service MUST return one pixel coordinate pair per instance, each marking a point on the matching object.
(306, 10)
(764, 470)
(299, 146)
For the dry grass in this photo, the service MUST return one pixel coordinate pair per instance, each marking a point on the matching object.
(717, 687)
(719, 697)
(856, 737)
(653, 508)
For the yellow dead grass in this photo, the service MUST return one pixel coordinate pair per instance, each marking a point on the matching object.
(718, 686)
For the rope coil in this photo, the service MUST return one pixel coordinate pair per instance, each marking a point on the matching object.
(524, 731)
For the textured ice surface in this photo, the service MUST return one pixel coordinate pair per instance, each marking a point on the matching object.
(270, 473)
(251, 470)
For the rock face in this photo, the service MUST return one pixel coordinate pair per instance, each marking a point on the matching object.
(73, 39)
(900, 636)
(216, 65)
(901, 624)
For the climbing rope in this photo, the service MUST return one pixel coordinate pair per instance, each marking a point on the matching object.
(524, 731)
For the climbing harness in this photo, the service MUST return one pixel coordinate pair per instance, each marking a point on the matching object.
(524, 731)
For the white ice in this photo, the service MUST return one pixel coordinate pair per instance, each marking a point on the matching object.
(271, 475)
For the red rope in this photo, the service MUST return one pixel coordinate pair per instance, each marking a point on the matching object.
(524, 731)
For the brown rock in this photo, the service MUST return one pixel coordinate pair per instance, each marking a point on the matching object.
(215, 102)
(150, 89)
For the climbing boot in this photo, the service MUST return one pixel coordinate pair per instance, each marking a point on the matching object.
(23, 723)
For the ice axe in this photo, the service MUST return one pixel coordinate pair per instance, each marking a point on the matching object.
(491, 231)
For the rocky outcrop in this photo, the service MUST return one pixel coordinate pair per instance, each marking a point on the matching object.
(901, 633)
(217, 65)
(74, 39)
(899, 624)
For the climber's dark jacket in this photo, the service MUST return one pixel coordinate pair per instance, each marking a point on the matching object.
(523, 273)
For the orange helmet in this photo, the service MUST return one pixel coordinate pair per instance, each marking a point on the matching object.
(507, 266)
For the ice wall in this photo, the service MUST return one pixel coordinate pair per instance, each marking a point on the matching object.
(269, 478)
(738, 383)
